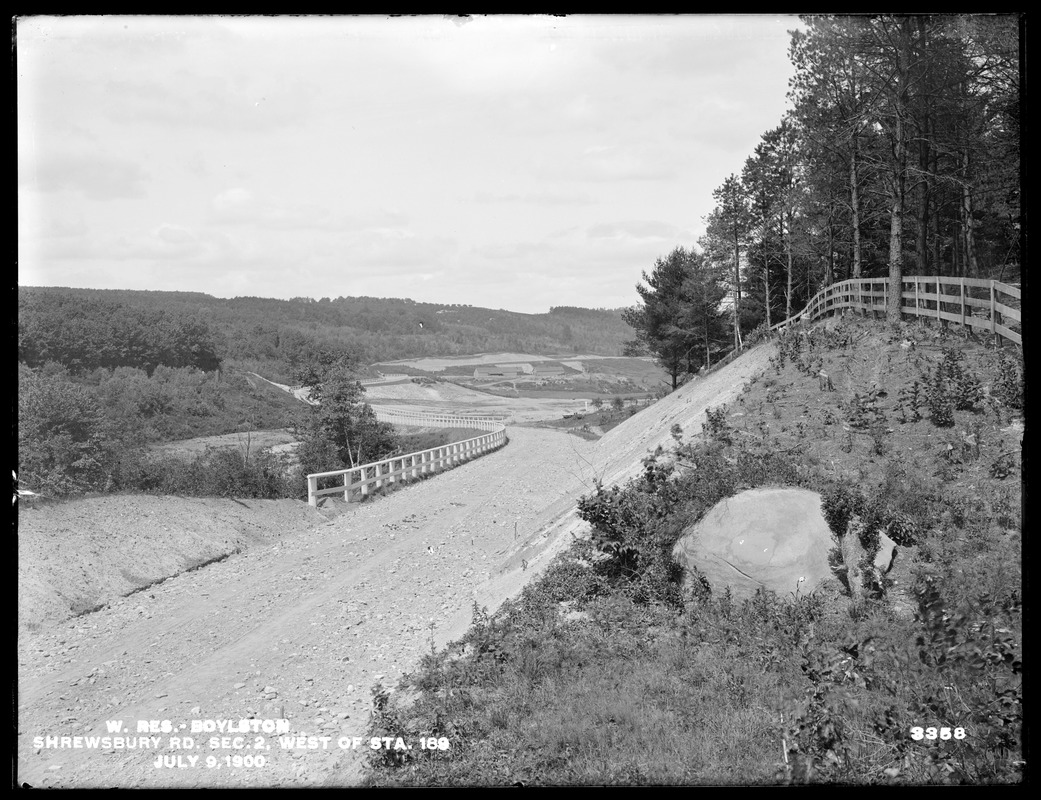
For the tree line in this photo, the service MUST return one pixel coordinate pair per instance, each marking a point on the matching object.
(86, 334)
(899, 154)
(88, 328)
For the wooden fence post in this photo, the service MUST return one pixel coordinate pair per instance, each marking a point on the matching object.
(994, 314)
(938, 317)
(961, 283)
(312, 487)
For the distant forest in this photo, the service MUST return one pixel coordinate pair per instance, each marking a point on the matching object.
(105, 375)
(84, 329)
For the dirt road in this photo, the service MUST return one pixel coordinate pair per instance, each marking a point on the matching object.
(302, 628)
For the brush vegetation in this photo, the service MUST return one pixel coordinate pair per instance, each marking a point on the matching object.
(611, 669)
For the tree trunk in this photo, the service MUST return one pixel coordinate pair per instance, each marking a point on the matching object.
(737, 292)
(854, 204)
(971, 267)
(922, 193)
(829, 275)
(788, 253)
(766, 284)
(922, 217)
(707, 357)
(937, 228)
(899, 174)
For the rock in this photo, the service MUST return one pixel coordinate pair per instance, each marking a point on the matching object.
(775, 538)
(853, 557)
(240, 686)
(886, 554)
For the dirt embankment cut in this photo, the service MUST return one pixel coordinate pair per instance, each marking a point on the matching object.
(77, 556)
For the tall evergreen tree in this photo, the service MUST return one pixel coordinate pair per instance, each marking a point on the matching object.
(680, 315)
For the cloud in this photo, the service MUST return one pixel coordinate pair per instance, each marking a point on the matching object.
(535, 198)
(640, 229)
(593, 266)
(187, 99)
(390, 250)
(239, 206)
(514, 53)
(610, 163)
(97, 176)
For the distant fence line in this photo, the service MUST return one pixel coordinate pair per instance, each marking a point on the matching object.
(981, 305)
(358, 482)
(435, 419)
(383, 378)
(972, 302)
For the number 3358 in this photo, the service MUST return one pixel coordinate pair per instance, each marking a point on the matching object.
(918, 733)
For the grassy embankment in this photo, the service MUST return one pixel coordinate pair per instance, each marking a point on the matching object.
(606, 669)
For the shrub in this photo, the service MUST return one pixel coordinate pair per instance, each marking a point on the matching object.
(715, 426)
(1009, 387)
(633, 534)
(863, 413)
(216, 473)
(60, 427)
(938, 400)
(839, 504)
(964, 387)
(903, 530)
(910, 399)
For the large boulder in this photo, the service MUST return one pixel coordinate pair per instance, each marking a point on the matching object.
(775, 538)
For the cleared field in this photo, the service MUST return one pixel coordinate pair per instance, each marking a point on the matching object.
(443, 362)
(278, 440)
(575, 361)
(640, 370)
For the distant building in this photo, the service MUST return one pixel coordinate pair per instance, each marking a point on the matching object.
(549, 372)
(497, 372)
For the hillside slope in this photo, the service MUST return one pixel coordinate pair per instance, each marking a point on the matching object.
(304, 627)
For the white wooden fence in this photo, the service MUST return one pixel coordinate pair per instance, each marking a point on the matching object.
(360, 481)
(383, 378)
(438, 420)
(987, 306)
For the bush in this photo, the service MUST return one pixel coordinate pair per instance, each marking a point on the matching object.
(631, 533)
(910, 399)
(715, 426)
(963, 386)
(60, 426)
(840, 504)
(1009, 387)
(938, 399)
(216, 473)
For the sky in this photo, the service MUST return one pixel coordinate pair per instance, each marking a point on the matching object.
(510, 162)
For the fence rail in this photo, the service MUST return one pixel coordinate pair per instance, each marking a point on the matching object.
(441, 420)
(360, 481)
(383, 378)
(982, 305)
